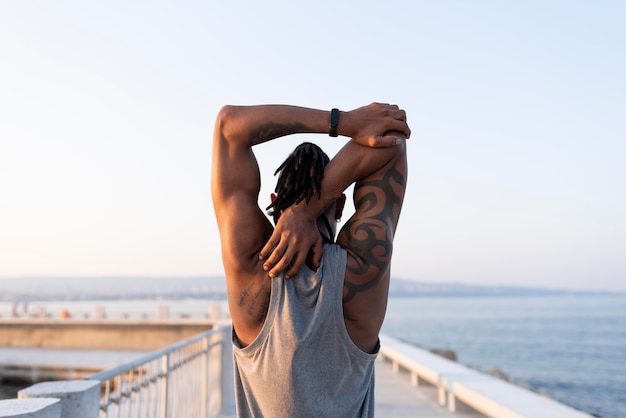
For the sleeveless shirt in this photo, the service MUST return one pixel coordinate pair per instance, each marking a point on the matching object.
(303, 362)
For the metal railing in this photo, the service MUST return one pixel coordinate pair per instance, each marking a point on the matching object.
(189, 379)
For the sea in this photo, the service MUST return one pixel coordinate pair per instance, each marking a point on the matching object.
(571, 348)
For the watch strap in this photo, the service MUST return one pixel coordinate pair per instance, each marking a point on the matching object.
(334, 122)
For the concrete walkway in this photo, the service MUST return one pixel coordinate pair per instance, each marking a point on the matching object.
(396, 398)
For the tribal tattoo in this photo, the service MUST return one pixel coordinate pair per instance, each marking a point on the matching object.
(371, 234)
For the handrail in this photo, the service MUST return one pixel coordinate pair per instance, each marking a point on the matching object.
(190, 378)
(110, 373)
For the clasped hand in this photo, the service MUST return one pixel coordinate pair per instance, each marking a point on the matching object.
(296, 240)
(376, 125)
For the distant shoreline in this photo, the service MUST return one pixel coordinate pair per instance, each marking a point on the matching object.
(214, 288)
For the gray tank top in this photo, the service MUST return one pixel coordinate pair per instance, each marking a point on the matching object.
(303, 362)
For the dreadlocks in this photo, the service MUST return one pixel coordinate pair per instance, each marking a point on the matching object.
(301, 176)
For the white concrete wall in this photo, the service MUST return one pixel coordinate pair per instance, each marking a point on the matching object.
(78, 398)
(488, 395)
(30, 408)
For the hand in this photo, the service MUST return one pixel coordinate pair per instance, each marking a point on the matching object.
(375, 125)
(295, 240)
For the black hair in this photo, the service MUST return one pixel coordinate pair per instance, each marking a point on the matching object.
(301, 176)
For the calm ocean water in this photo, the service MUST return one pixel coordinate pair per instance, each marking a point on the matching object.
(571, 348)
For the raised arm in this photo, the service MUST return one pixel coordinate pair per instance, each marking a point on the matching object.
(235, 186)
(368, 237)
(235, 183)
(363, 156)
(235, 174)
(380, 179)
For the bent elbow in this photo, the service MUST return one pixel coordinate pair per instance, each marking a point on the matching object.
(224, 121)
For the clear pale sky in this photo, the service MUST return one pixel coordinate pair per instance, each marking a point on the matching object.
(518, 112)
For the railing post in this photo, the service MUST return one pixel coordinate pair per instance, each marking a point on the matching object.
(228, 384)
(165, 371)
(451, 402)
(204, 390)
(79, 398)
(98, 313)
(441, 391)
(163, 313)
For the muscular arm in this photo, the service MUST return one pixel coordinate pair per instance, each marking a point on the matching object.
(379, 175)
(235, 186)
(368, 236)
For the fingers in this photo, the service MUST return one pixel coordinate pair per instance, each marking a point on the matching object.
(400, 123)
(296, 265)
(316, 253)
(269, 245)
(283, 264)
(398, 119)
(291, 261)
(390, 139)
(400, 126)
(275, 259)
(283, 252)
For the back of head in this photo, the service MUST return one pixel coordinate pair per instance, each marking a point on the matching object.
(300, 177)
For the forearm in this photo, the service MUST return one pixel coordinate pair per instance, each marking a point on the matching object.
(239, 128)
(367, 125)
(352, 163)
(252, 125)
(378, 133)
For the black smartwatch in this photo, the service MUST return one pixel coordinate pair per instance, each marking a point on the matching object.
(334, 122)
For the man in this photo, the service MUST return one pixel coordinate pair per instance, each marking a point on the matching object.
(306, 312)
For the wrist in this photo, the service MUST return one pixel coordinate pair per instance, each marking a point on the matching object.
(343, 128)
(310, 210)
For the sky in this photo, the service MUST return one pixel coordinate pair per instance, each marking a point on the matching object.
(516, 159)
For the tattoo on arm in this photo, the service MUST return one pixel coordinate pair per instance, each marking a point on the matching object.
(275, 130)
(244, 295)
(371, 235)
(263, 307)
(257, 303)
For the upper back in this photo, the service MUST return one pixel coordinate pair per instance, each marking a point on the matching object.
(305, 326)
